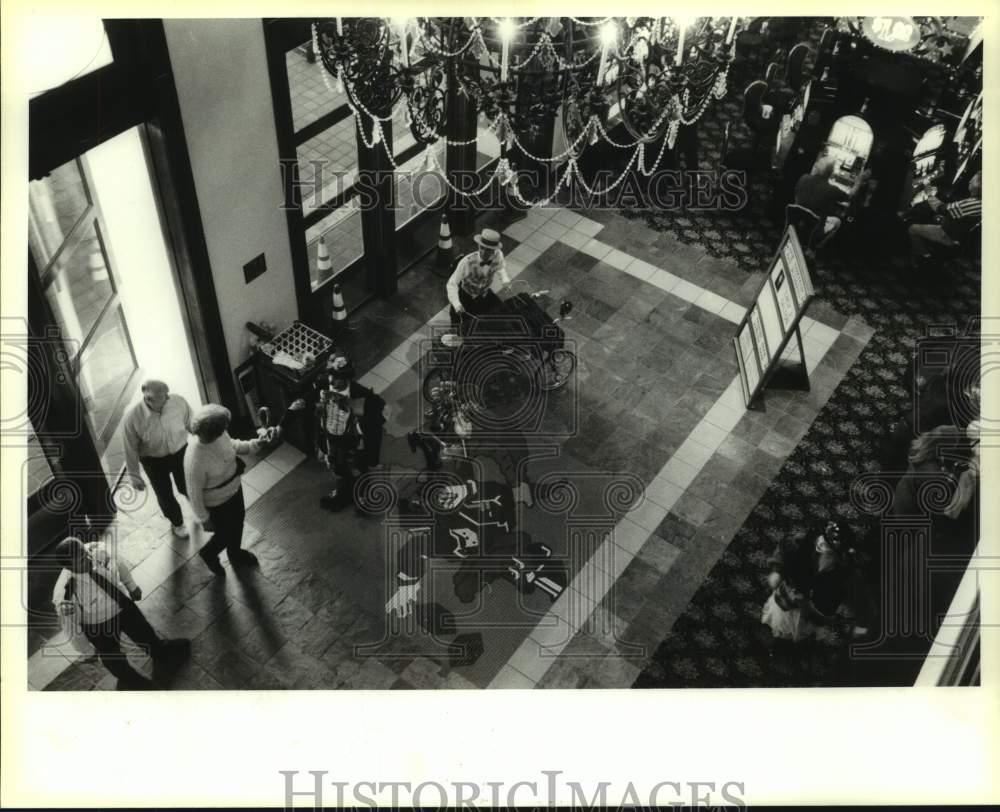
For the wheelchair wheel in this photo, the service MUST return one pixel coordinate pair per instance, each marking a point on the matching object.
(438, 383)
(557, 369)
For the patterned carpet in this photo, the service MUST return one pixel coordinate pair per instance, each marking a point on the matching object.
(719, 641)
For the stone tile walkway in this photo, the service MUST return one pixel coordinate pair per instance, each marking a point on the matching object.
(656, 402)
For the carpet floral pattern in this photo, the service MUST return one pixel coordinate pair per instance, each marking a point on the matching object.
(719, 640)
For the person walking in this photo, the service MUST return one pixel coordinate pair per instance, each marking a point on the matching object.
(810, 576)
(95, 599)
(213, 469)
(155, 435)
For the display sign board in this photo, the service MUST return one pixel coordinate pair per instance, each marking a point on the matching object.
(892, 33)
(774, 315)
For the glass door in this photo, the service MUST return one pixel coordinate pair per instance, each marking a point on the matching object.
(68, 248)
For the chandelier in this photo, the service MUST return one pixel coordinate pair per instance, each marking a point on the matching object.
(655, 73)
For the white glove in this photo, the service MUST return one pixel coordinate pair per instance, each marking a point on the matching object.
(402, 602)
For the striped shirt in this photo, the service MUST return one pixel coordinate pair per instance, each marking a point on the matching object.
(961, 216)
(335, 418)
(475, 277)
(78, 595)
(963, 209)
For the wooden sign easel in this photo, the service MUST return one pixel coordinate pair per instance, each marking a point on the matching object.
(773, 319)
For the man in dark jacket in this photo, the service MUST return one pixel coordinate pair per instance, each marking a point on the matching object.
(349, 428)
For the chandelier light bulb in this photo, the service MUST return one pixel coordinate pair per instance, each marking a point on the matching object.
(657, 46)
(401, 24)
(506, 29)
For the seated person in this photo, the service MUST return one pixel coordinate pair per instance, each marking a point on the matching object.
(953, 223)
(948, 395)
(944, 458)
(816, 193)
(469, 286)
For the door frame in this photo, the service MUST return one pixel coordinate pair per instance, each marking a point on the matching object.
(136, 90)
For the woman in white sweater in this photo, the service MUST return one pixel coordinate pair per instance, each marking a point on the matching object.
(213, 472)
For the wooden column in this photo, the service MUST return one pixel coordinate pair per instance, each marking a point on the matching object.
(378, 217)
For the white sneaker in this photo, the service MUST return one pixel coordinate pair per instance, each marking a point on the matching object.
(180, 531)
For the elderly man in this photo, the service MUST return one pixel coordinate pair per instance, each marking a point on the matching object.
(214, 471)
(95, 599)
(954, 222)
(469, 286)
(155, 436)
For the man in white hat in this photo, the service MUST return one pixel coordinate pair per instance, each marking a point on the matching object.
(469, 287)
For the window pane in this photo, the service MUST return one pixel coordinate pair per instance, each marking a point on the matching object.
(341, 231)
(55, 205)
(61, 49)
(334, 152)
(113, 458)
(311, 98)
(105, 369)
(79, 288)
(487, 143)
(402, 137)
(418, 188)
(39, 469)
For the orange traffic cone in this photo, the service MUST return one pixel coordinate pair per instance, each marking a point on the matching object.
(339, 315)
(323, 266)
(445, 250)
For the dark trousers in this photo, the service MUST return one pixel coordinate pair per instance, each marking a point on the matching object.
(483, 305)
(106, 639)
(227, 519)
(159, 469)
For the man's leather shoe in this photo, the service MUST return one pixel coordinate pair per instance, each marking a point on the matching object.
(212, 562)
(243, 558)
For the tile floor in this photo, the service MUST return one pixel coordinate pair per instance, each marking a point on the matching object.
(653, 428)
